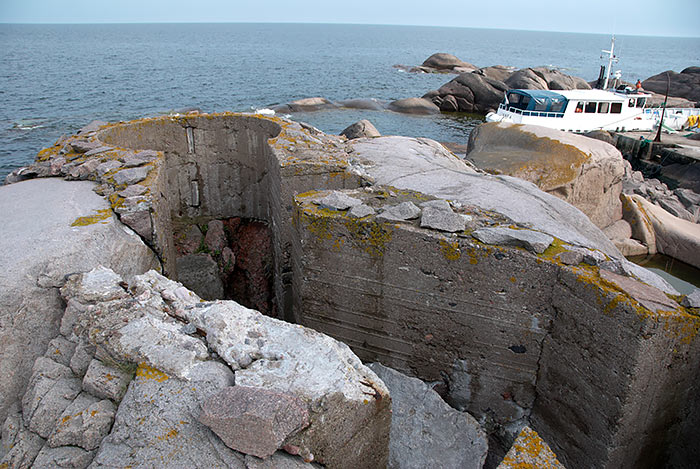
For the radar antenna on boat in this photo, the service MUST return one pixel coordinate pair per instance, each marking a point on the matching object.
(612, 58)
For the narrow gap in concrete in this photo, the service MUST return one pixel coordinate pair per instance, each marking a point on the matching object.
(227, 259)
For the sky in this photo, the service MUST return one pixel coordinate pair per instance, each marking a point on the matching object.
(633, 17)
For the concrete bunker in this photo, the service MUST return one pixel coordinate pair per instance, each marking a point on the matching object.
(231, 171)
(216, 187)
(606, 378)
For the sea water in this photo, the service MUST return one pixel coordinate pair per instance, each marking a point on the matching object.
(56, 78)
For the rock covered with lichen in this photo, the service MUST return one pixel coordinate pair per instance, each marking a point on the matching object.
(585, 172)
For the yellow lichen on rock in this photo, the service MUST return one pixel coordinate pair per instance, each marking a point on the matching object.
(146, 371)
(98, 217)
(450, 251)
(530, 451)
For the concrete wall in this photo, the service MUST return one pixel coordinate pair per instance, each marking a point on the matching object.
(422, 303)
(518, 335)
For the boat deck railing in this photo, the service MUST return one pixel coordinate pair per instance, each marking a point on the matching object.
(672, 111)
(515, 110)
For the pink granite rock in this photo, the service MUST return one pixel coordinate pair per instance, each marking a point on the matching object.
(254, 420)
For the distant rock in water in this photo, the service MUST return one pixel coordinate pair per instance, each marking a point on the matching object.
(482, 90)
(363, 128)
(443, 61)
(369, 104)
(320, 104)
(682, 85)
(414, 106)
(305, 105)
(469, 92)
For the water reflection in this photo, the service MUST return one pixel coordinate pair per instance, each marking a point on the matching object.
(684, 277)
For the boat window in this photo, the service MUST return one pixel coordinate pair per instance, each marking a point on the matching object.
(541, 104)
(514, 98)
(603, 108)
(558, 106)
(591, 107)
(615, 108)
(641, 101)
(579, 106)
(524, 102)
(631, 102)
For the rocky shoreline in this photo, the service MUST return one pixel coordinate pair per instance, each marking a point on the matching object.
(480, 90)
(384, 249)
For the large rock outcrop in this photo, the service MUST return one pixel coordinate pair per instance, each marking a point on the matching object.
(586, 173)
(449, 438)
(482, 90)
(442, 61)
(544, 78)
(469, 92)
(51, 228)
(683, 85)
(664, 232)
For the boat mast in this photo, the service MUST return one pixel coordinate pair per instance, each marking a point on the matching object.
(611, 59)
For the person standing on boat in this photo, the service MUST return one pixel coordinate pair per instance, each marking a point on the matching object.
(638, 86)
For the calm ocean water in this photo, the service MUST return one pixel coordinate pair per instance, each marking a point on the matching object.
(56, 78)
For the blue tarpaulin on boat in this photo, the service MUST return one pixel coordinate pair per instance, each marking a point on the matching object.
(540, 100)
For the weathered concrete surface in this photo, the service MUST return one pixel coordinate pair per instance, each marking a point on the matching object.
(423, 302)
(425, 431)
(585, 355)
(51, 228)
(585, 172)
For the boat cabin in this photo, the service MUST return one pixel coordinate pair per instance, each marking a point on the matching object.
(575, 110)
(536, 102)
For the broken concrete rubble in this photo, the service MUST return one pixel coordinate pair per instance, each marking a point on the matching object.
(348, 418)
(530, 240)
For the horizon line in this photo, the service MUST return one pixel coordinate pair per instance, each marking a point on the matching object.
(117, 23)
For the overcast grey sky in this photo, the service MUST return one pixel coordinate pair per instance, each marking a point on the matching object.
(634, 17)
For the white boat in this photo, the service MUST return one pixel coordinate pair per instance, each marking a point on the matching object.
(576, 110)
(616, 110)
